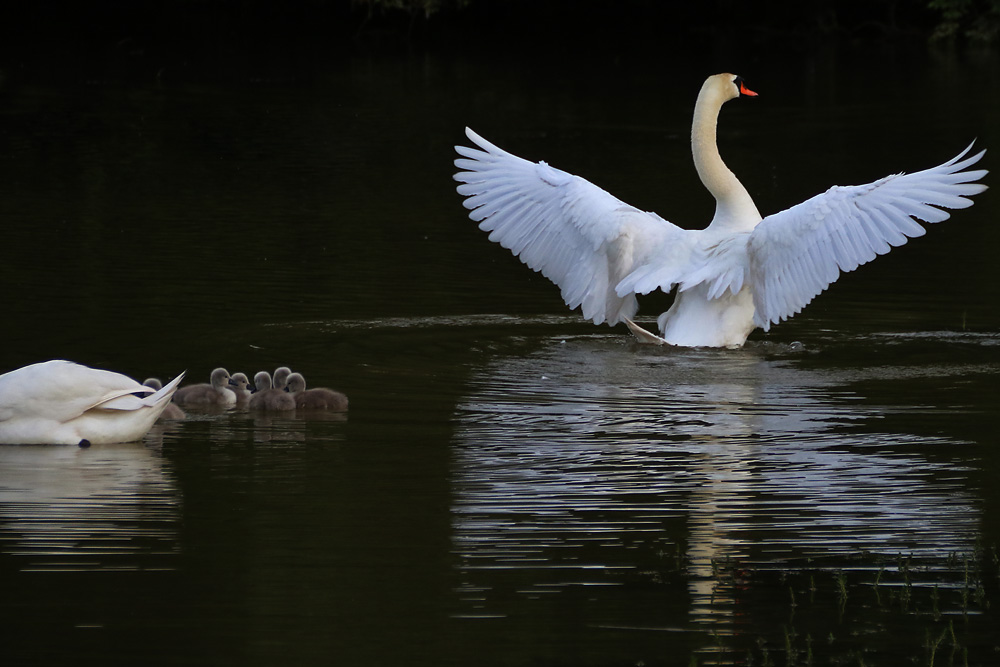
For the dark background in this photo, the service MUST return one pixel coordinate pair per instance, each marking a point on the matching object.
(118, 40)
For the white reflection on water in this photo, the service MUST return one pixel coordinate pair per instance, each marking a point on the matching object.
(572, 458)
(101, 508)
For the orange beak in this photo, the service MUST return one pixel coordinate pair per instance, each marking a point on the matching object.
(746, 91)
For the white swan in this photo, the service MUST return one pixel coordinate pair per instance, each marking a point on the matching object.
(63, 403)
(739, 273)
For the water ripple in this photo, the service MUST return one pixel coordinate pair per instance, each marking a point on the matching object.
(107, 507)
(572, 459)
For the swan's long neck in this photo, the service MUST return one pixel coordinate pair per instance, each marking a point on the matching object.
(734, 206)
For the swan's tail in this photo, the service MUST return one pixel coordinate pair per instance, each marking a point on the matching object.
(164, 395)
(129, 400)
(643, 336)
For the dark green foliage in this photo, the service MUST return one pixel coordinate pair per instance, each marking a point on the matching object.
(977, 20)
(413, 7)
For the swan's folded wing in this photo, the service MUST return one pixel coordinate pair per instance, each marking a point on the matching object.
(795, 254)
(573, 232)
(61, 390)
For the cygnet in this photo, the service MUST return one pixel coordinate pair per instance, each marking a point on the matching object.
(281, 374)
(217, 392)
(314, 399)
(239, 384)
(267, 397)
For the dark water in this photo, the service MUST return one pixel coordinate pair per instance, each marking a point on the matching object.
(512, 486)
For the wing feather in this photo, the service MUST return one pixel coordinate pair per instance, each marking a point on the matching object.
(573, 232)
(795, 254)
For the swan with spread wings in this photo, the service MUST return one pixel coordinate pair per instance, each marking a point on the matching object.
(739, 273)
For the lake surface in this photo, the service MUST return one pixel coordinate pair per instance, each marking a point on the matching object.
(512, 485)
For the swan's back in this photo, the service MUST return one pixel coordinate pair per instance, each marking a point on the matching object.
(60, 402)
(60, 389)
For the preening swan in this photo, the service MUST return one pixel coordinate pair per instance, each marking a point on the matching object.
(62, 403)
(739, 273)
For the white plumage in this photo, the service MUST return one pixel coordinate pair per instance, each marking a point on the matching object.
(795, 254)
(739, 273)
(59, 402)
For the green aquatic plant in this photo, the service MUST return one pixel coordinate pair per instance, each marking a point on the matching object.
(841, 592)
(932, 646)
(875, 585)
(905, 595)
(791, 653)
(965, 589)
(920, 595)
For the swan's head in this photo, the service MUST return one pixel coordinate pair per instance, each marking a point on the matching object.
(728, 87)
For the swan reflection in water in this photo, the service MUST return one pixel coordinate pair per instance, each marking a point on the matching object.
(100, 508)
(571, 458)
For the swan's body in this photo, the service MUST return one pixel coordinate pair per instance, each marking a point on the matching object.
(739, 273)
(172, 412)
(314, 399)
(267, 397)
(63, 403)
(216, 392)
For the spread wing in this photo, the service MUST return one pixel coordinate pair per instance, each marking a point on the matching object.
(573, 232)
(795, 254)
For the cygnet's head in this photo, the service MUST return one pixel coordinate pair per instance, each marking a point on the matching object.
(281, 377)
(296, 383)
(220, 377)
(262, 381)
(240, 383)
